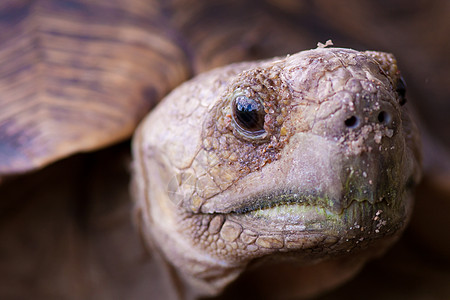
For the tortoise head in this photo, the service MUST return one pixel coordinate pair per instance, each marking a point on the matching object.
(290, 161)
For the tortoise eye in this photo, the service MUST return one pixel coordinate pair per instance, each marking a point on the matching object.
(401, 90)
(248, 115)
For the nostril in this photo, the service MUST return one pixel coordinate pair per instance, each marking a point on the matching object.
(352, 122)
(384, 117)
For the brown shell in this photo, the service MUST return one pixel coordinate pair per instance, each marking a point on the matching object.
(78, 75)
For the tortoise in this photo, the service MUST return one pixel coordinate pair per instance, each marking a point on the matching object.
(79, 76)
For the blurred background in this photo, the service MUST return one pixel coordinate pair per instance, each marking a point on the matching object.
(66, 230)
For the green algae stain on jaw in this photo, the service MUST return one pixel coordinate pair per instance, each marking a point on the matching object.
(308, 217)
(359, 217)
(294, 213)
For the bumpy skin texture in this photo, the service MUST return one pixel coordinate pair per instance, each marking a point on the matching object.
(330, 179)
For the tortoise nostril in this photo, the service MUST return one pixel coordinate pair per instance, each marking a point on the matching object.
(384, 117)
(352, 122)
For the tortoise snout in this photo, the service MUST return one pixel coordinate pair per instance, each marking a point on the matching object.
(350, 115)
(382, 115)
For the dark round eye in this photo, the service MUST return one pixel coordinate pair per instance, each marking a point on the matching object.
(249, 115)
(401, 90)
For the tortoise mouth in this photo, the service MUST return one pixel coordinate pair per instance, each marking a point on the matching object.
(292, 201)
(280, 199)
(295, 213)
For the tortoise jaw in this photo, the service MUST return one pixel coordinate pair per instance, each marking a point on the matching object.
(297, 218)
(284, 199)
(298, 213)
(294, 200)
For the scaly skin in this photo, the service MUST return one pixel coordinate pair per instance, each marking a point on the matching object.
(327, 183)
